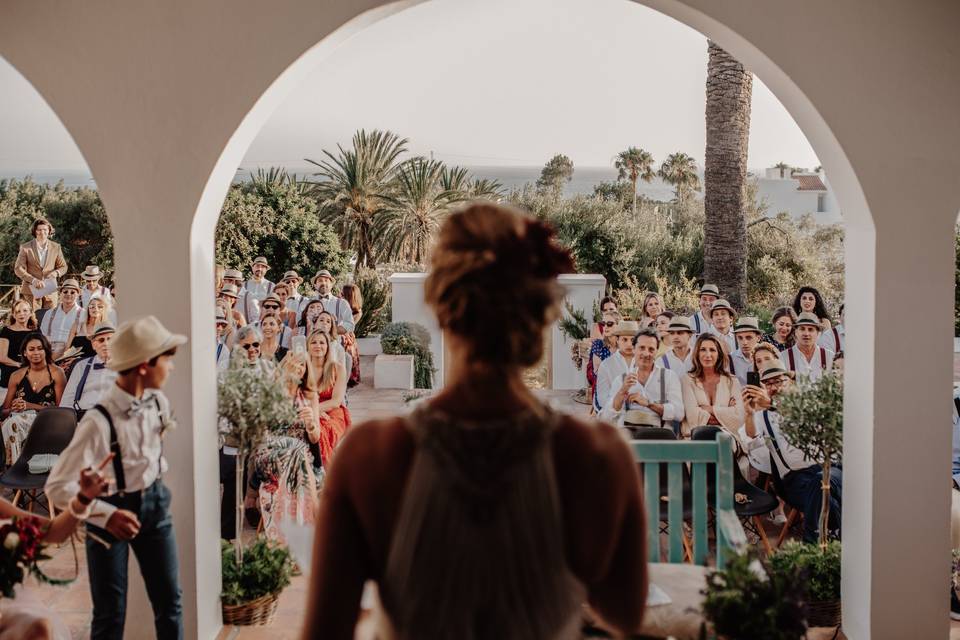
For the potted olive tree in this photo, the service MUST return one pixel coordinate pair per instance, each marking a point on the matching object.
(251, 404)
(812, 413)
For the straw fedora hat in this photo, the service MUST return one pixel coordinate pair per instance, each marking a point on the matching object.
(773, 370)
(722, 304)
(232, 274)
(291, 275)
(229, 290)
(103, 328)
(92, 272)
(70, 283)
(640, 418)
(681, 323)
(323, 273)
(139, 340)
(625, 328)
(710, 290)
(261, 260)
(747, 323)
(808, 318)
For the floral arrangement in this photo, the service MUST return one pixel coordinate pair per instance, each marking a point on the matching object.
(21, 554)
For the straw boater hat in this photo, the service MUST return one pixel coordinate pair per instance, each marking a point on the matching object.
(710, 290)
(747, 323)
(229, 290)
(221, 316)
(102, 329)
(640, 418)
(625, 328)
(271, 298)
(232, 274)
(722, 304)
(70, 283)
(92, 272)
(261, 260)
(773, 370)
(291, 275)
(808, 318)
(139, 341)
(323, 273)
(681, 323)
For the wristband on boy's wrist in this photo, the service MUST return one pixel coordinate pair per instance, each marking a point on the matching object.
(79, 515)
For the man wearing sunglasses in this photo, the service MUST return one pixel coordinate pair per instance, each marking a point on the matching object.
(249, 339)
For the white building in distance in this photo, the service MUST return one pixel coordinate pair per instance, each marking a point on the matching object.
(798, 193)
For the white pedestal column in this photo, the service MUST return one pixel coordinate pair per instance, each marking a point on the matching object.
(582, 291)
(409, 306)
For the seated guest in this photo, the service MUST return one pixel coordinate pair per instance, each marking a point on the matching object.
(20, 323)
(308, 317)
(92, 287)
(722, 317)
(652, 307)
(37, 385)
(296, 301)
(663, 331)
(351, 293)
(809, 300)
(90, 377)
(834, 338)
(607, 305)
(288, 317)
(679, 357)
(272, 305)
(764, 353)
(601, 349)
(95, 313)
(249, 339)
(255, 290)
(806, 358)
(801, 476)
(748, 336)
(270, 348)
(228, 298)
(711, 394)
(328, 324)
(223, 349)
(782, 335)
(646, 388)
(617, 364)
(331, 385)
(709, 293)
(58, 321)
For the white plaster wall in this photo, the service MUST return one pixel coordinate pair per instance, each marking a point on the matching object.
(163, 98)
(408, 306)
(782, 195)
(583, 290)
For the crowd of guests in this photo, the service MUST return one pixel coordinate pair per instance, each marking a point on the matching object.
(307, 341)
(721, 369)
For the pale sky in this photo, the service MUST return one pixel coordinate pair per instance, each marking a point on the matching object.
(497, 82)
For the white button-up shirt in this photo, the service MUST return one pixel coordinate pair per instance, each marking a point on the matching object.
(223, 355)
(99, 381)
(670, 361)
(339, 309)
(672, 398)
(789, 458)
(833, 339)
(141, 445)
(741, 366)
(729, 339)
(700, 323)
(608, 371)
(822, 361)
(86, 294)
(57, 323)
(250, 298)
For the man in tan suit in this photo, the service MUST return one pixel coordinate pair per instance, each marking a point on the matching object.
(37, 261)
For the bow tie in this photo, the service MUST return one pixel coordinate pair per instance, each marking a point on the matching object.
(138, 406)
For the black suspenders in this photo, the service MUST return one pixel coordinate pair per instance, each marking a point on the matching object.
(115, 449)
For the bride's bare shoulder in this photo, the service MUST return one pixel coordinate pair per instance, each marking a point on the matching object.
(594, 448)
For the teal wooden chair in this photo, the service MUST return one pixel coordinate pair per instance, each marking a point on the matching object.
(681, 581)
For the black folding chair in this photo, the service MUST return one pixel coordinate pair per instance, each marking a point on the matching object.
(756, 503)
(50, 432)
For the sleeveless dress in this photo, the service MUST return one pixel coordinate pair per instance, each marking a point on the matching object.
(16, 427)
(333, 428)
(477, 551)
(14, 340)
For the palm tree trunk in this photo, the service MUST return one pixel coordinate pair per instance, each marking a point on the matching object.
(634, 196)
(729, 89)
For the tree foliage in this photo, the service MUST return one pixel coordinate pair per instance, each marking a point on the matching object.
(78, 218)
(557, 172)
(273, 216)
(680, 170)
(634, 164)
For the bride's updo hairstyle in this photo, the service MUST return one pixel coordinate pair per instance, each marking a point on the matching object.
(493, 282)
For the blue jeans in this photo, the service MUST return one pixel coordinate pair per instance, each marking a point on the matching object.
(156, 551)
(804, 493)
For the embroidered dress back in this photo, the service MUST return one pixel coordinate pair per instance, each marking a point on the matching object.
(477, 551)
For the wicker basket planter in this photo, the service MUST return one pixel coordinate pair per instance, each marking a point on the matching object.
(254, 613)
(824, 613)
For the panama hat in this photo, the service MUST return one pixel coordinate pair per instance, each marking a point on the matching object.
(809, 319)
(229, 290)
(640, 418)
(221, 316)
(323, 273)
(680, 323)
(92, 272)
(774, 370)
(710, 290)
(102, 328)
(70, 283)
(271, 298)
(722, 304)
(232, 274)
(261, 260)
(291, 275)
(140, 340)
(625, 328)
(747, 323)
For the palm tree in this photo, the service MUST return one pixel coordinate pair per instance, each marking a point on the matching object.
(783, 166)
(634, 164)
(486, 189)
(729, 89)
(680, 170)
(354, 186)
(411, 216)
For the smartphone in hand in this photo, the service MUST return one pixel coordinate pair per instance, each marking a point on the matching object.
(753, 378)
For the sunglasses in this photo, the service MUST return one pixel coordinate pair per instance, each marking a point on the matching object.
(608, 323)
(270, 307)
(252, 345)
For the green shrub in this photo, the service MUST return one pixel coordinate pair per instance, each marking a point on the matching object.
(411, 339)
(820, 569)
(375, 294)
(266, 568)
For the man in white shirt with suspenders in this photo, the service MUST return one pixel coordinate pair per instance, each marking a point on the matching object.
(91, 286)
(255, 290)
(334, 305)
(617, 364)
(806, 357)
(722, 315)
(647, 389)
(748, 336)
(709, 293)
(58, 321)
(90, 377)
(836, 337)
(679, 358)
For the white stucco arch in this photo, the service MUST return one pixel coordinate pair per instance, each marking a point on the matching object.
(163, 98)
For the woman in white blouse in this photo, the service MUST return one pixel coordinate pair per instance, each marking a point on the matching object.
(711, 394)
